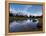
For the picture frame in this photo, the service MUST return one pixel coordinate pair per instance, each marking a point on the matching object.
(7, 9)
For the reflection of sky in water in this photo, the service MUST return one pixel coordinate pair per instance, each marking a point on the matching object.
(23, 25)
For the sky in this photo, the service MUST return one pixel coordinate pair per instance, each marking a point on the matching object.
(28, 9)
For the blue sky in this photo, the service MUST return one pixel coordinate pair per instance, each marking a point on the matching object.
(35, 10)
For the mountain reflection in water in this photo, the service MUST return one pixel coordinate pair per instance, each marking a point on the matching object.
(24, 25)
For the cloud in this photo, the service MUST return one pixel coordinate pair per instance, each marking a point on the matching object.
(24, 11)
(13, 11)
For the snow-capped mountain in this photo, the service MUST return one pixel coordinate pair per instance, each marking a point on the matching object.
(24, 12)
